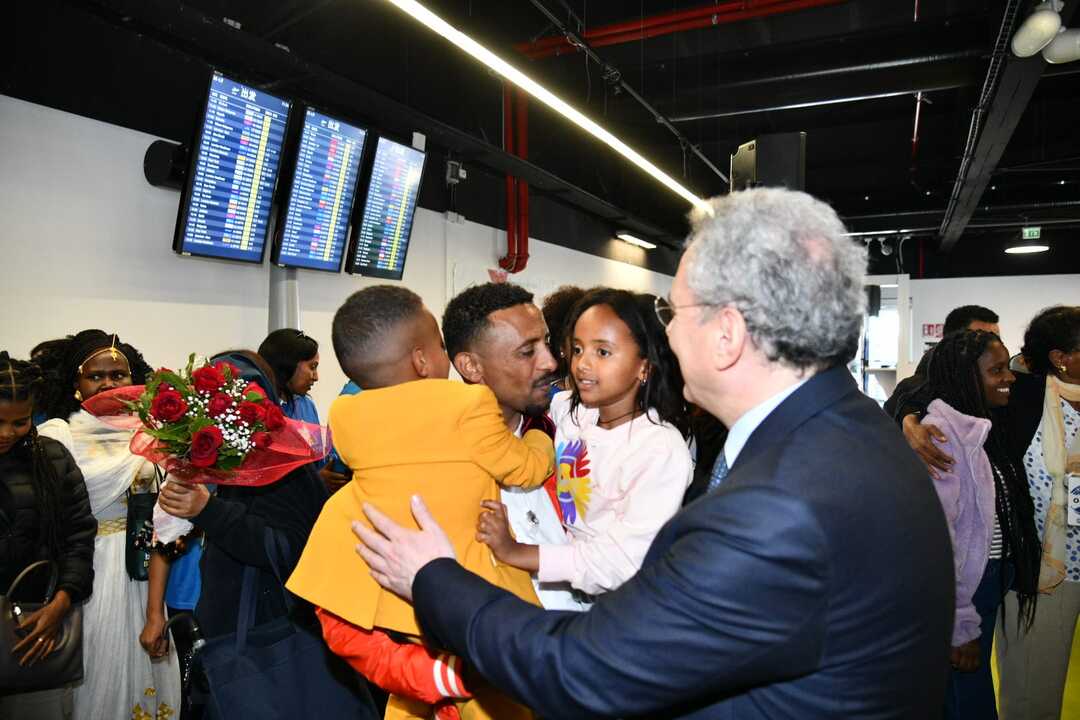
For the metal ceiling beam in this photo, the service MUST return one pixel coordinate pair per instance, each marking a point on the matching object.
(718, 13)
(1006, 94)
(612, 75)
(187, 29)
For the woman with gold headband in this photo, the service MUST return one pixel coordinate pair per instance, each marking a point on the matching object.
(121, 680)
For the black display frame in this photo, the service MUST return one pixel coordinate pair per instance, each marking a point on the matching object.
(193, 159)
(292, 158)
(350, 265)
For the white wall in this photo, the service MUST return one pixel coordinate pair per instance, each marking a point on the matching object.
(86, 242)
(1016, 299)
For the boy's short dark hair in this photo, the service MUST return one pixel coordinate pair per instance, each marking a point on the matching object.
(466, 316)
(364, 319)
(959, 318)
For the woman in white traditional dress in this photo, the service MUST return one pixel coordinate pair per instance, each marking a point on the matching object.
(121, 680)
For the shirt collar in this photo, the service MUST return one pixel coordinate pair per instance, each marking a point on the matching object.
(744, 427)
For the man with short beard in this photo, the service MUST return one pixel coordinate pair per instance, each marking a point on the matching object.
(496, 336)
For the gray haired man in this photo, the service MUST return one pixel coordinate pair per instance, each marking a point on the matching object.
(813, 580)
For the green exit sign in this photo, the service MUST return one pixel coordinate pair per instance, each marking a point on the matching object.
(1032, 233)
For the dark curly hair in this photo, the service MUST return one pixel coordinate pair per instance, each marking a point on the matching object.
(663, 390)
(1055, 328)
(556, 309)
(284, 349)
(21, 381)
(60, 363)
(466, 316)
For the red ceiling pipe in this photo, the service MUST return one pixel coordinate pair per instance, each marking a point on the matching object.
(523, 187)
(668, 23)
(509, 261)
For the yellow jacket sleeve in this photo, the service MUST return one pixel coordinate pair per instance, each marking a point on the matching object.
(526, 462)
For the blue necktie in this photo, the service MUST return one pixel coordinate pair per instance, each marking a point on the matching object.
(719, 472)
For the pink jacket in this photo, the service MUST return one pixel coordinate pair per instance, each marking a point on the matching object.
(967, 494)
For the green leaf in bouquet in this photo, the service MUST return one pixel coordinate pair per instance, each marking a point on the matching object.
(253, 396)
(178, 383)
(229, 462)
(190, 365)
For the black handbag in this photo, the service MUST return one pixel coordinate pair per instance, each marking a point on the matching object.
(278, 669)
(62, 666)
(140, 530)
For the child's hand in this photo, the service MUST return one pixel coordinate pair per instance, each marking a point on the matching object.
(493, 529)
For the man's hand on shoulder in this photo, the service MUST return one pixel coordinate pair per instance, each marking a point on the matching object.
(921, 437)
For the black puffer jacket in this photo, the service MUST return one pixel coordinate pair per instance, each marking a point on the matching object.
(20, 523)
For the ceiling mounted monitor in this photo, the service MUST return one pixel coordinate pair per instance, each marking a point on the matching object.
(225, 206)
(382, 240)
(314, 227)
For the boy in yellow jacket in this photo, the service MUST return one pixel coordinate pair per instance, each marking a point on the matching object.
(410, 432)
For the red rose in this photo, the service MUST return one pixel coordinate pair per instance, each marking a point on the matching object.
(261, 440)
(219, 404)
(168, 406)
(162, 370)
(252, 413)
(254, 387)
(208, 379)
(275, 418)
(221, 365)
(204, 446)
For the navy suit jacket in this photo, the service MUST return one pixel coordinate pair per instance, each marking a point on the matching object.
(816, 582)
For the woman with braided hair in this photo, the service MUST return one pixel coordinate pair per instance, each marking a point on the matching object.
(987, 505)
(121, 679)
(44, 515)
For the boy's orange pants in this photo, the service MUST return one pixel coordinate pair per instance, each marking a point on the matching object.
(422, 683)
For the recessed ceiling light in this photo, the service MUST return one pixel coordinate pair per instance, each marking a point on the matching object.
(1061, 182)
(1026, 249)
(927, 192)
(993, 187)
(541, 93)
(633, 240)
(866, 197)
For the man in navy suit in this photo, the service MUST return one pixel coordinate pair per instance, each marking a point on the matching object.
(814, 579)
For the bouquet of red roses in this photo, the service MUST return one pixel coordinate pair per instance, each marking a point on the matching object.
(209, 425)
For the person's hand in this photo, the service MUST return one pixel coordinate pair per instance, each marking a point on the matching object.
(183, 500)
(921, 438)
(153, 638)
(334, 481)
(493, 529)
(965, 658)
(42, 629)
(395, 554)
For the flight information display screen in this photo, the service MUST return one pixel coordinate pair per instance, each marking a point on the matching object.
(231, 182)
(316, 226)
(382, 240)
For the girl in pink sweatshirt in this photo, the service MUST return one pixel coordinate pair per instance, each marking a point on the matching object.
(622, 464)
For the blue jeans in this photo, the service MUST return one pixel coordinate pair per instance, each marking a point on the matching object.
(970, 695)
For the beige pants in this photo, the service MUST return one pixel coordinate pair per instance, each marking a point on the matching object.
(1033, 666)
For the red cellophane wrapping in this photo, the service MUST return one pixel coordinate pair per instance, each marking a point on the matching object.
(296, 444)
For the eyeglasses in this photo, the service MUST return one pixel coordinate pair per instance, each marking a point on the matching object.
(665, 311)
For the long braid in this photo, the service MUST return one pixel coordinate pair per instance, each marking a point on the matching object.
(21, 381)
(953, 376)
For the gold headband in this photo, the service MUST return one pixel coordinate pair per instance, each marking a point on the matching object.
(113, 353)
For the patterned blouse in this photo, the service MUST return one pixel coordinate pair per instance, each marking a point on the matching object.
(1041, 483)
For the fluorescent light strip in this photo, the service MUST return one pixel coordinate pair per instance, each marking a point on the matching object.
(631, 239)
(508, 71)
(1026, 249)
